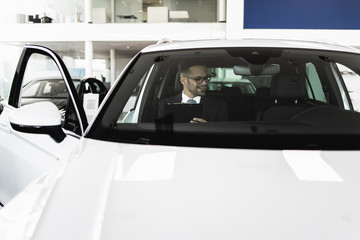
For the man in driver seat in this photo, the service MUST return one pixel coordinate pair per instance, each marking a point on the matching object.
(195, 79)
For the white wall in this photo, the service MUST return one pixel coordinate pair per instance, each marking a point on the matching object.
(121, 63)
(9, 56)
(234, 18)
(8, 11)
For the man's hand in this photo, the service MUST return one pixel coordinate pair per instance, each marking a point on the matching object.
(198, 120)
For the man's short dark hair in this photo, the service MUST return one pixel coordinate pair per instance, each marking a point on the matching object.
(184, 68)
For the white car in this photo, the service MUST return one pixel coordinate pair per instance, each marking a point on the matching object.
(284, 165)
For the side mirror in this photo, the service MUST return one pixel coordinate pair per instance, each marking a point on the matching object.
(38, 118)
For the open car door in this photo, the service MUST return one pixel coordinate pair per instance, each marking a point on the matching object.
(39, 63)
(41, 121)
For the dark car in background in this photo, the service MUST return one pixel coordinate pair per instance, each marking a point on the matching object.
(54, 90)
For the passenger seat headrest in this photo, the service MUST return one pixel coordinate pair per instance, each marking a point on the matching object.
(288, 87)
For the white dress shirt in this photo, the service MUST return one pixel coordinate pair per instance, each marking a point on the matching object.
(185, 98)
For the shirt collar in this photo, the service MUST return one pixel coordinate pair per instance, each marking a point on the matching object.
(185, 98)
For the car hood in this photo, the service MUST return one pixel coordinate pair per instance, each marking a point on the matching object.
(125, 191)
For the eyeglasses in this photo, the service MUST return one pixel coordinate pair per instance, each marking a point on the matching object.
(200, 79)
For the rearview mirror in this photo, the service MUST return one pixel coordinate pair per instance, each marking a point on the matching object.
(38, 118)
(257, 70)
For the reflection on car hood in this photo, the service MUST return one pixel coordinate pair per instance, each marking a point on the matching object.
(159, 192)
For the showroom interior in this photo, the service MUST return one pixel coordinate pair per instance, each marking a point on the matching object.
(97, 38)
(268, 146)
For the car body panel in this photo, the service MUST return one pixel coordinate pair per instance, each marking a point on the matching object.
(159, 192)
(26, 156)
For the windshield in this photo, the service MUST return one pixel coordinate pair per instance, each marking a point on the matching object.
(243, 97)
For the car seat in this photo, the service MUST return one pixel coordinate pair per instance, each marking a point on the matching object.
(288, 94)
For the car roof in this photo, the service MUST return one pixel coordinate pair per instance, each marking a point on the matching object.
(167, 45)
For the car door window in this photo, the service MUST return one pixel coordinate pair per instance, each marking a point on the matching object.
(43, 82)
(128, 111)
(352, 82)
(313, 85)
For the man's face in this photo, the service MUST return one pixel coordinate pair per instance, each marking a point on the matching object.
(191, 88)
